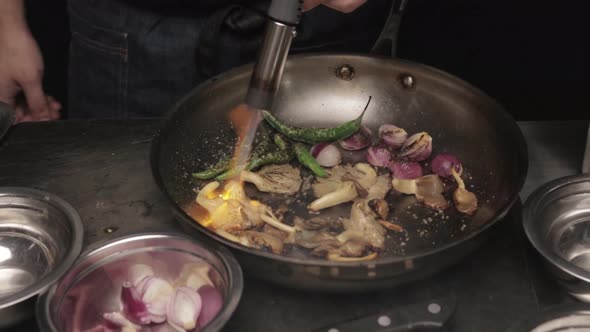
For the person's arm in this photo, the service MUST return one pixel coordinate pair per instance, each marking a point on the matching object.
(345, 6)
(21, 66)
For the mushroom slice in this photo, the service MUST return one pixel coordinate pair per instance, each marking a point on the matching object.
(465, 200)
(346, 192)
(317, 223)
(362, 220)
(280, 179)
(362, 174)
(380, 207)
(380, 188)
(208, 198)
(261, 240)
(337, 258)
(268, 217)
(315, 239)
(428, 190)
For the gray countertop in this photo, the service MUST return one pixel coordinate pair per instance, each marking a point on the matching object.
(102, 169)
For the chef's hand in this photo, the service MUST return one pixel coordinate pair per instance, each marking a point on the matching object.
(21, 67)
(345, 6)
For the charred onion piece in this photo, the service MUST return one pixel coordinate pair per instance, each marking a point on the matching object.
(405, 169)
(280, 179)
(417, 147)
(465, 201)
(378, 155)
(392, 135)
(358, 141)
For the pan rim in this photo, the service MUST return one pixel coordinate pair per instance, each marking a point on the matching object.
(523, 164)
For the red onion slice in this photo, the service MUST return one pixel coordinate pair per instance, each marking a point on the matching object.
(378, 155)
(442, 164)
(417, 147)
(327, 155)
(184, 308)
(405, 169)
(357, 141)
(155, 293)
(133, 307)
(392, 135)
(212, 304)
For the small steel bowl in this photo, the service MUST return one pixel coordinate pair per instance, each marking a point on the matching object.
(40, 238)
(556, 220)
(570, 317)
(92, 287)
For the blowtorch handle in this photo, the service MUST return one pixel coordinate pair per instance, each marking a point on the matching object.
(286, 11)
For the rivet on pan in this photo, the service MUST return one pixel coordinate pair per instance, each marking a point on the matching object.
(434, 308)
(345, 72)
(384, 321)
(294, 33)
(407, 81)
(110, 229)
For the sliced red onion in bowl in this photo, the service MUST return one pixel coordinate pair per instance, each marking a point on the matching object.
(378, 155)
(392, 135)
(184, 308)
(212, 304)
(116, 321)
(417, 147)
(133, 307)
(357, 141)
(405, 169)
(155, 293)
(442, 163)
(138, 272)
(327, 155)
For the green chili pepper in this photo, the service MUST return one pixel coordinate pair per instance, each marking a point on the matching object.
(316, 135)
(280, 142)
(273, 157)
(216, 169)
(307, 160)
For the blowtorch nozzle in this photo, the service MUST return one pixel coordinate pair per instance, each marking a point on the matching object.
(283, 16)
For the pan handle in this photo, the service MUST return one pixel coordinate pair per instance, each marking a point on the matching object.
(386, 43)
(427, 316)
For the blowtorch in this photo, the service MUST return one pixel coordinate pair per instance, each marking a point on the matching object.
(283, 16)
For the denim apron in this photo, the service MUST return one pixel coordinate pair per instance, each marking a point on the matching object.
(137, 59)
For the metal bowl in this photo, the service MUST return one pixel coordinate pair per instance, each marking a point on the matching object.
(557, 223)
(571, 317)
(93, 285)
(40, 238)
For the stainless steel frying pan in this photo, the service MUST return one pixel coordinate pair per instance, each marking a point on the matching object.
(325, 90)
(6, 119)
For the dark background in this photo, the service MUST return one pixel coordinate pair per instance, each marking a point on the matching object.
(531, 56)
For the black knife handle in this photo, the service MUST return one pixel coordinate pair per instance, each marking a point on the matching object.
(427, 316)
